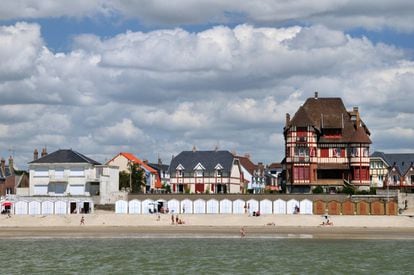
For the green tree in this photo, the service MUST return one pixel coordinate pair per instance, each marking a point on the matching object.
(137, 177)
(134, 179)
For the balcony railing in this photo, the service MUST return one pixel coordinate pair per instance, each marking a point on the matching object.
(301, 159)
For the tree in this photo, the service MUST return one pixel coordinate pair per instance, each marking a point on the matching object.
(134, 179)
(137, 177)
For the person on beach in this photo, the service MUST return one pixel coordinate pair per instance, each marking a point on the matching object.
(242, 232)
(158, 218)
(82, 221)
(176, 219)
(172, 219)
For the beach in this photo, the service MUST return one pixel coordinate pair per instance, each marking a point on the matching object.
(105, 224)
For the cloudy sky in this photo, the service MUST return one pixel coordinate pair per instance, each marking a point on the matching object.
(157, 77)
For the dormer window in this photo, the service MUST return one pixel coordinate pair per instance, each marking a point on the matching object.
(199, 170)
(219, 170)
(180, 171)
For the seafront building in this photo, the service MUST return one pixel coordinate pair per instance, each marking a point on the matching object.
(163, 173)
(253, 174)
(11, 178)
(393, 171)
(327, 146)
(152, 178)
(67, 173)
(206, 172)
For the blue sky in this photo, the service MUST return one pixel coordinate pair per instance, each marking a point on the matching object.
(155, 78)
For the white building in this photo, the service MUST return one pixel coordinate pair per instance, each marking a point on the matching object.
(68, 173)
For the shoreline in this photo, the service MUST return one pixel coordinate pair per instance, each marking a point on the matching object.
(202, 232)
(110, 225)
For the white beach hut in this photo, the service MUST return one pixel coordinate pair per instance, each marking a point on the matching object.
(147, 206)
(21, 208)
(199, 206)
(252, 206)
(266, 207)
(174, 206)
(238, 206)
(212, 206)
(121, 207)
(61, 208)
(279, 206)
(306, 207)
(134, 207)
(34, 208)
(186, 206)
(225, 206)
(47, 208)
(291, 205)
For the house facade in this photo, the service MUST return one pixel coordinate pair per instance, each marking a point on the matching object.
(10, 178)
(66, 173)
(327, 146)
(253, 175)
(395, 171)
(206, 172)
(273, 177)
(163, 171)
(152, 179)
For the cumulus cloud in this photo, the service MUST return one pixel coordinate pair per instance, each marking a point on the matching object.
(163, 91)
(339, 14)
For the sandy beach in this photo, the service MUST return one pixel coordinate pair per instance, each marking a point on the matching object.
(109, 225)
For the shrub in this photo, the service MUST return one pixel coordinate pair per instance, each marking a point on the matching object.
(317, 190)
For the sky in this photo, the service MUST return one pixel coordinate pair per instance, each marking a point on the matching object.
(156, 77)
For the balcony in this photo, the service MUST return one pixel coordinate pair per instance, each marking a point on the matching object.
(58, 178)
(301, 159)
(301, 139)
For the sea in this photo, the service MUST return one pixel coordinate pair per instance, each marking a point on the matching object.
(205, 256)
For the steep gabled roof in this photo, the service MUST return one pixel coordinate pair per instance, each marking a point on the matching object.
(301, 118)
(247, 164)
(136, 160)
(209, 160)
(402, 162)
(360, 136)
(330, 113)
(64, 156)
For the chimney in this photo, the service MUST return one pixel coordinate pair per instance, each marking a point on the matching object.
(145, 161)
(159, 162)
(3, 165)
(44, 152)
(11, 165)
(316, 95)
(247, 155)
(194, 148)
(287, 119)
(357, 118)
(35, 154)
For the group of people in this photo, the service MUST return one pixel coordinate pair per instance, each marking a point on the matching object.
(326, 221)
(176, 220)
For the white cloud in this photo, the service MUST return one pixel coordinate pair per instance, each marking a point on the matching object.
(339, 14)
(19, 47)
(163, 91)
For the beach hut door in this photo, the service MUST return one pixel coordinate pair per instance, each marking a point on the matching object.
(73, 207)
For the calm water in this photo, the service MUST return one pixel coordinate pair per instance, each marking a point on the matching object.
(205, 256)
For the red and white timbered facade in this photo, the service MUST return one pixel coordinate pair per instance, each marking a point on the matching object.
(326, 145)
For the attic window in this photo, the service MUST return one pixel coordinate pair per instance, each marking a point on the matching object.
(332, 133)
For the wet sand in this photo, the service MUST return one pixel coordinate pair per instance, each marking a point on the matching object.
(109, 225)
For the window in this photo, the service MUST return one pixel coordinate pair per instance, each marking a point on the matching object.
(219, 173)
(199, 173)
(302, 151)
(324, 152)
(337, 152)
(301, 173)
(180, 173)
